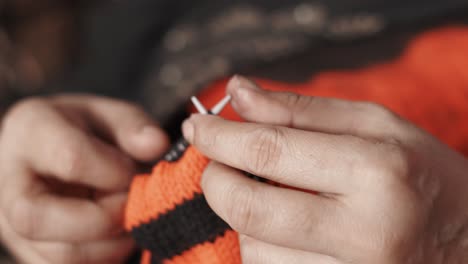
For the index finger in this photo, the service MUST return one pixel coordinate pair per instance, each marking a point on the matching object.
(302, 159)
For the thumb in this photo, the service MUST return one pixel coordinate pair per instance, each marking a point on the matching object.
(125, 124)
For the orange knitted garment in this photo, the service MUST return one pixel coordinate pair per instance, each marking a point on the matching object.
(427, 84)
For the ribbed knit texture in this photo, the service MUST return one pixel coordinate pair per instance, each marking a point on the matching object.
(181, 228)
(428, 85)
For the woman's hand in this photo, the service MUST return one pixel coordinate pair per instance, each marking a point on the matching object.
(388, 192)
(65, 166)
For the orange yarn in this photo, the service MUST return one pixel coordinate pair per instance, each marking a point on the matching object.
(169, 185)
(180, 182)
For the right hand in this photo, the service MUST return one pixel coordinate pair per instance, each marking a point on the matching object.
(65, 166)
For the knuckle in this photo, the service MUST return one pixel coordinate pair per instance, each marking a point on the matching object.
(298, 103)
(71, 159)
(398, 160)
(378, 114)
(240, 210)
(395, 166)
(374, 109)
(292, 100)
(21, 111)
(28, 105)
(264, 149)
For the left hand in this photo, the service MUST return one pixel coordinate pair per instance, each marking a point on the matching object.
(66, 162)
(388, 192)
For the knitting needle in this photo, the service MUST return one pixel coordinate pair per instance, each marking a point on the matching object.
(215, 110)
(220, 106)
(199, 106)
(181, 145)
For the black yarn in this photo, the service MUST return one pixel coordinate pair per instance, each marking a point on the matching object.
(188, 224)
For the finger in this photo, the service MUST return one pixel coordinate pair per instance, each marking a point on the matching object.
(113, 251)
(42, 216)
(275, 215)
(99, 252)
(311, 113)
(19, 248)
(258, 252)
(303, 159)
(125, 124)
(59, 149)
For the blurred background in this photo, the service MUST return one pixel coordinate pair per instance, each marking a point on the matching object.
(159, 52)
(144, 50)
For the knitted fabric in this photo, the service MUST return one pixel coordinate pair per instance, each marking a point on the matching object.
(428, 85)
(181, 228)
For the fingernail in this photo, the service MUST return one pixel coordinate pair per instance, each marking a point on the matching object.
(188, 129)
(238, 81)
(243, 95)
(242, 89)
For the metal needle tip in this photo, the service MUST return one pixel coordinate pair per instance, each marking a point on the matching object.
(220, 106)
(198, 105)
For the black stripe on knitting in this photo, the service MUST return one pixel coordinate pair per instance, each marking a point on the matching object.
(188, 224)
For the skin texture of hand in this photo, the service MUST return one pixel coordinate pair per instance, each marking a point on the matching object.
(387, 192)
(66, 163)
